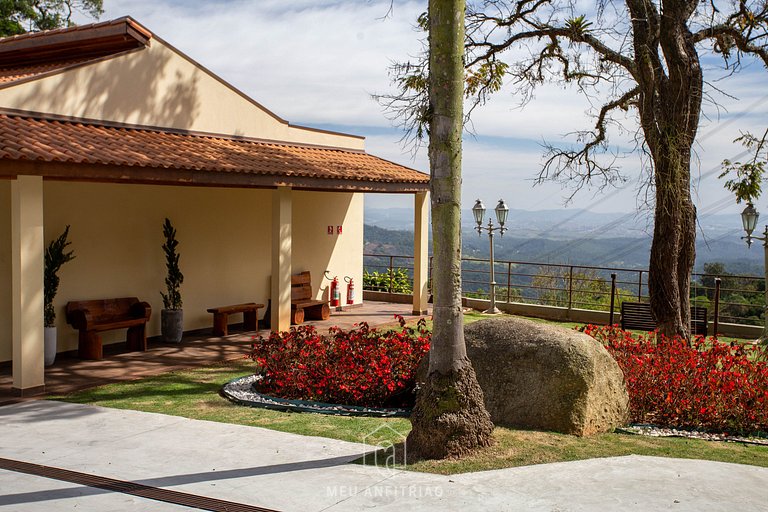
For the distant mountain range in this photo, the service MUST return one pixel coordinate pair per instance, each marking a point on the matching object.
(576, 237)
(563, 224)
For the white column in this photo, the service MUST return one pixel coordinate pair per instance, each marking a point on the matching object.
(27, 284)
(281, 259)
(420, 252)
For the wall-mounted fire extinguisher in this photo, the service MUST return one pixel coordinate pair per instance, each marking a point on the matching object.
(350, 290)
(335, 295)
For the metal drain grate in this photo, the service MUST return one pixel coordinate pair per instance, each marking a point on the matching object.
(121, 486)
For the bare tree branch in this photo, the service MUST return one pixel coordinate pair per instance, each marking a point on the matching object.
(582, 166)
(551, 33)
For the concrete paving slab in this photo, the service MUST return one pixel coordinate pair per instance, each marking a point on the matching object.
(288, 472)
(199, 457)
(633, 483)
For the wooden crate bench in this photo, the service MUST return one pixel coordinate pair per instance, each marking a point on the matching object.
(91, 317)
(303, 306)
(637, 315)
(250, 311)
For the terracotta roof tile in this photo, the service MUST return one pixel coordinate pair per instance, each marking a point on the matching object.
(13, 74)
(52, 140)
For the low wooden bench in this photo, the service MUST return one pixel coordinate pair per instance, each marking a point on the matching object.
(250, 311)
(91, 317)
(303, 306)
(637, 315)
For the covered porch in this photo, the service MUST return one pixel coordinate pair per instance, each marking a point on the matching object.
(198, 348)
(252, 212)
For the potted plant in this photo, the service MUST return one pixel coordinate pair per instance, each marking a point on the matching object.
(55, 257)
(171, 316)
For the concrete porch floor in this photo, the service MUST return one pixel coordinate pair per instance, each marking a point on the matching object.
(70, 374)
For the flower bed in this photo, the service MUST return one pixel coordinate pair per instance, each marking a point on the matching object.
(362, 366)
(704, 384)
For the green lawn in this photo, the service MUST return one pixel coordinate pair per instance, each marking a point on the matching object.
(194, 394)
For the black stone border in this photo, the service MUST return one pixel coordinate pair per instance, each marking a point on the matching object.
(240, 391)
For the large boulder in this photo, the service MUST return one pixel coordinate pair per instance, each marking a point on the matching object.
(544, 377)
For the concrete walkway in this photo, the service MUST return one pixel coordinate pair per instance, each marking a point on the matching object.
(288, 472)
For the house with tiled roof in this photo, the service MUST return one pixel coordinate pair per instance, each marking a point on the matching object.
(109, 129)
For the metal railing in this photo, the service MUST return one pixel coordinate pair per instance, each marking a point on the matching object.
(728, 298)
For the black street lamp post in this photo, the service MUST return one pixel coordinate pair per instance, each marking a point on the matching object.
(502, 210)
(749, 219)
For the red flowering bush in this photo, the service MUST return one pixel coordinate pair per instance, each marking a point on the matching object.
(703, 384)
(362, 366)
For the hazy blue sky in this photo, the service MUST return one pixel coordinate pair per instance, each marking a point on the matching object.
(317, 62)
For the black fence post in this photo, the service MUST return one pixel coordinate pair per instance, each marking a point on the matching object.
(717, 306)
(613, 295)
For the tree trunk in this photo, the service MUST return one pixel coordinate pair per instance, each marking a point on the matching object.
(670, 107)
(672, 249)
(449, 418)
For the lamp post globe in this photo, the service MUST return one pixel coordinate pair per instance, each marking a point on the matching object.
(749, 219)
(478, 211)
(502, 210)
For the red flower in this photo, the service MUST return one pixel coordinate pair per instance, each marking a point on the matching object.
(706, 384)
(362, 366)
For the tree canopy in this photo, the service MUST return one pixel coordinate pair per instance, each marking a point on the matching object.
(20, 16)
(748, 176)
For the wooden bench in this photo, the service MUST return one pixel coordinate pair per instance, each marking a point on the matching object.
(303, 306)
(637, 315)
(91, 317)
(250, 311)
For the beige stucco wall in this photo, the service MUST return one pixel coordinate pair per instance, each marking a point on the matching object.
(315, 250)
(225, 246)
(159, 87)
(6, 341)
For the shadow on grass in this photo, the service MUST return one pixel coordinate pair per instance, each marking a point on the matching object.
(170, 386)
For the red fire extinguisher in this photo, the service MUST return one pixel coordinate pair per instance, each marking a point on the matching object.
(350, 290)
(335, 298)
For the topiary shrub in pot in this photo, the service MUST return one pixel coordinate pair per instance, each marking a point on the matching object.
(55, 256)
(171, 316)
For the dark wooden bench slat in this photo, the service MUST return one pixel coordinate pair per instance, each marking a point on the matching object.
(118, 324)
(306, 303)
(235, 308)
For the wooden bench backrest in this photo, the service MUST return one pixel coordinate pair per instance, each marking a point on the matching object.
(636, 315)
(301, 287)
(104, 309)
